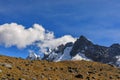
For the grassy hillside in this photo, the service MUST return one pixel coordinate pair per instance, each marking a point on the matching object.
(19, 69)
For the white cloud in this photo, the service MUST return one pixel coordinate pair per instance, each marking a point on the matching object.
(17, 35)
(53, 43)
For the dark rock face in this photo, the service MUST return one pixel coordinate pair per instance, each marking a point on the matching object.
(62, 47)
(45, 56)
(95, 52)
(81, 44)
(114, 50)
(86, 47)
(59, 49)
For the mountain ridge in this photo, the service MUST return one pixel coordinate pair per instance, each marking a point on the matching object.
(83, 46)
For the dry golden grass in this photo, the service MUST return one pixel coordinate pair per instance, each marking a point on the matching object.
(66, 70)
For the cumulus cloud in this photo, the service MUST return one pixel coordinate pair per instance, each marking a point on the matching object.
(17, 35)
(53, 43)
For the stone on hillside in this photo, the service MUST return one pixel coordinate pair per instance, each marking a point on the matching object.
(79, 76)
(72, 70)
(21, 79)
(4, 79)
(34, 79)
(6, 65)
(0, 70)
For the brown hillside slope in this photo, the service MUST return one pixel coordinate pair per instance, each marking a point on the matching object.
(19, 69)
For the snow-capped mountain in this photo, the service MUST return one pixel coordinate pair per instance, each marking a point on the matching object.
(84, 49)
(33, 56)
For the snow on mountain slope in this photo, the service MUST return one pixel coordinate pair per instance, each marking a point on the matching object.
(60, 55)
(33, 56)
(118, 60)
(80, 56)
(53, 56)
(65, 55)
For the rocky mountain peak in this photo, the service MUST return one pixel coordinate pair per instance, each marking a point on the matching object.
(82, 37)
(81, 44)
(115, 45)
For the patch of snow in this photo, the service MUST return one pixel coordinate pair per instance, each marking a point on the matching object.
(33, 56)
(65, 55)
(38, 57)
(57, 57)
(80, 56)
(52, 56)
(118, 60)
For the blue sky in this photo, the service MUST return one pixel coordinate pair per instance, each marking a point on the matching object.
(98, 20)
